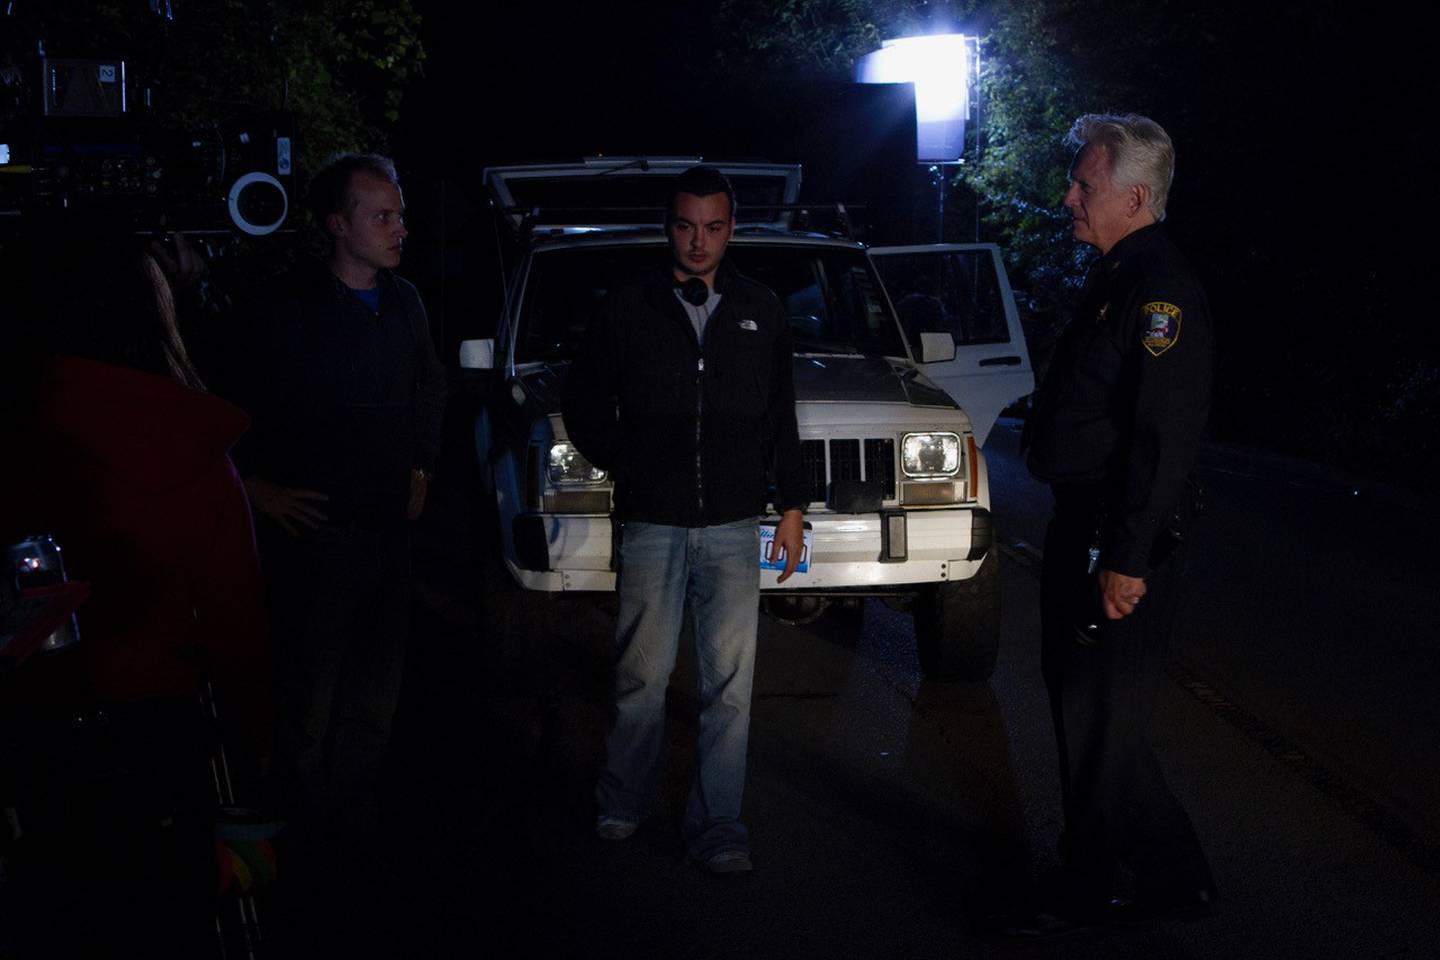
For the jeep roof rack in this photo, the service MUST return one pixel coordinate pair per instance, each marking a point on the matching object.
(785, 219)
(613, 193)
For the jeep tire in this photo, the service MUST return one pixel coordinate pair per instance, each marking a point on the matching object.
(957, 626)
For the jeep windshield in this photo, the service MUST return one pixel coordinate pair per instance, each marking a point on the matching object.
(830, 295)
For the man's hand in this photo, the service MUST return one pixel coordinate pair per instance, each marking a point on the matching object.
(1119, 594)
(790, 537)
(292, 508)
(419, 485)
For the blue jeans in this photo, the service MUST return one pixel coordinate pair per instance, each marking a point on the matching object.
(717, 570)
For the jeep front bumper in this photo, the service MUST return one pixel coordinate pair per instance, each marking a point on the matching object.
(846, 550)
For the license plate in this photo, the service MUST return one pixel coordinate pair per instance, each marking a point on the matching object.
(768, 559)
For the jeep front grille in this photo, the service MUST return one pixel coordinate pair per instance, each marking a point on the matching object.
(812, 462)
(847, 459)
(880, 464)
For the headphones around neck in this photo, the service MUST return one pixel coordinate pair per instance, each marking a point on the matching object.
(694, 291)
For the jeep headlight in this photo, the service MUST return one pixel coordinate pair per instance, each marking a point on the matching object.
(930, 455)
(568, 466)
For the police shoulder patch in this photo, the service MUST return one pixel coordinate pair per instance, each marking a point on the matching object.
(1161, 329)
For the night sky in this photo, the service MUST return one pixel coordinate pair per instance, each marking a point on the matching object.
(1302, 191)
(1330, 83)
(1301, 128)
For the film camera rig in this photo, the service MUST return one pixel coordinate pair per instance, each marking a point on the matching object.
(78, 134)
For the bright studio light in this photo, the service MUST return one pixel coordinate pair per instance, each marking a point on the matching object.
(939, 66)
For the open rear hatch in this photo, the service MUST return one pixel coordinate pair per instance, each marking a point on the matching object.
(628, 193)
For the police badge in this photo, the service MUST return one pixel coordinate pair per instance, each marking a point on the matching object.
(1162, 329)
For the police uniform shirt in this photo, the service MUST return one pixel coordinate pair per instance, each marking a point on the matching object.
(1126, 398)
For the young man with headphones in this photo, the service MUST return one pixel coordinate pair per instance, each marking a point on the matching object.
(684, 393)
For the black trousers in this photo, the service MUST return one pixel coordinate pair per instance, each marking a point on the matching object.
(340, 616)
(1125, 832)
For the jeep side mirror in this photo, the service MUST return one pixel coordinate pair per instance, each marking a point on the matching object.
(937, 347)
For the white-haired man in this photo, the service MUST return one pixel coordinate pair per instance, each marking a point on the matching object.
(1115, 432)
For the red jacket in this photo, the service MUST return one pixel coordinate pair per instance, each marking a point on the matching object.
(130, 474)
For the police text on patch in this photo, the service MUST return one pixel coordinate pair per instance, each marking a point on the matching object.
(1161, 327)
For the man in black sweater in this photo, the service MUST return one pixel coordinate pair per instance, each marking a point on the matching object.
(684, 393)
(337, 369)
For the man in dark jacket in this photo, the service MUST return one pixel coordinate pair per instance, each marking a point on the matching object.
(339, 374)
(684, 393)
(1115, 432)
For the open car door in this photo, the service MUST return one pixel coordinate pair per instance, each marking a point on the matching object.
(961, 289)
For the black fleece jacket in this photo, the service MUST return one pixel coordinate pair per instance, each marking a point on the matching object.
(691, 436)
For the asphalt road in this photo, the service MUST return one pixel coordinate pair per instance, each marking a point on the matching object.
(893, 818)
(1313, 616)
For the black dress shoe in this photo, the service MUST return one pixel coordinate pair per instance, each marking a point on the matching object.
(1039, 925)
(1059, 918)
(1196, 904)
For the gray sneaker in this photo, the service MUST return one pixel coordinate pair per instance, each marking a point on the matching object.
(614, 828)
(728, 862)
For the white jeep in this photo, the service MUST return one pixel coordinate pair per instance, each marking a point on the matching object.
(883, 339)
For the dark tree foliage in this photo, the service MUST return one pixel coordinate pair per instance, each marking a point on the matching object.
(823, 37)
(340, 65)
